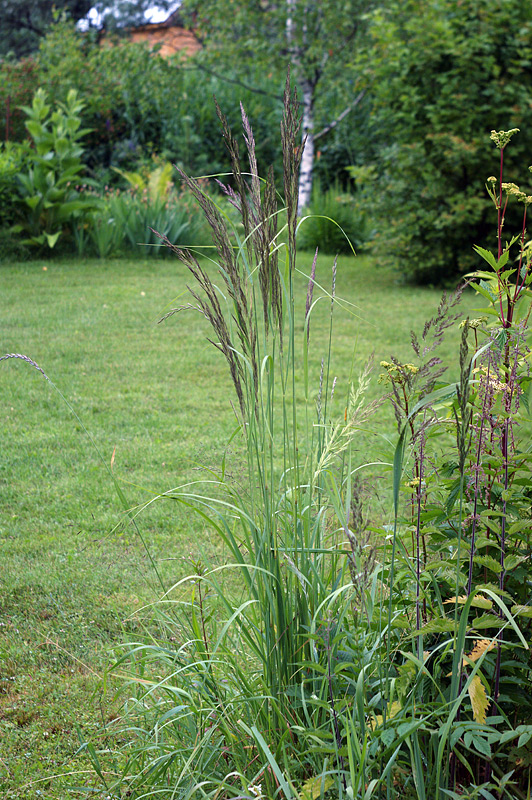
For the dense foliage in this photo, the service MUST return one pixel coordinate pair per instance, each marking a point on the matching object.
(334, 222)
(443, 74)
(436, 77)
(23, 24)
(137, 103)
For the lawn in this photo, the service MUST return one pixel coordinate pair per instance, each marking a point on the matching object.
(155, 399)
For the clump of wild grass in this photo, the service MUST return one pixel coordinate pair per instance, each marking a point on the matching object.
(344, 660)
(260, 684)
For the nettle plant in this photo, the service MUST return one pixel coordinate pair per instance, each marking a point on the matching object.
(460, 576)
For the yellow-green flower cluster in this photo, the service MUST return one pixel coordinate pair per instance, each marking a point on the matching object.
(473, 323)
(513, 190)
(501, 138)
(494, 382)
(397, 373)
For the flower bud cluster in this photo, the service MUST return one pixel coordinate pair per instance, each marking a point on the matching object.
(397, 373)
(501, 138)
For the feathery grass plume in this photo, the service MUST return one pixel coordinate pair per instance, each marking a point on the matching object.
(27, 359)
(259, 218)
(231, 145)
(258, 252)
(212, 311)
(337, 438)
(292, 154)
(260, 663)
(242, 309)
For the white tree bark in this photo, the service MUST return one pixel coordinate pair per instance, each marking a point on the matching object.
(307, 160)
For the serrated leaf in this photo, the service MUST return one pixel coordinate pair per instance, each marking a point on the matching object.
(440, 625)
(512, 561)
(522, 611)
(501, 339)
(312, 788)
(486, 255)
(479, 700)
(483, 289)
(481, 646)
(480, 744)
(504, 259)
(401, 621)
(487, 621)
(478, 601)
(489, 562)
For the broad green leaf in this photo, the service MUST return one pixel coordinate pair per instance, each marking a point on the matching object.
(483, 289)
(524, 739)
(439, 625)
(489, 562)
(487, 621)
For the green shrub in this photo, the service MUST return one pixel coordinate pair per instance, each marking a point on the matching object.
(138, 103)
(334, 223)
(11, 247)
(444, 74)
(50, 201)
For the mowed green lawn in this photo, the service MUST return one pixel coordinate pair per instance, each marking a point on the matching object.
(156, 399)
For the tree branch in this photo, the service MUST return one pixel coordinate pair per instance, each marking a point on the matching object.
(341, 116)
(234, 80)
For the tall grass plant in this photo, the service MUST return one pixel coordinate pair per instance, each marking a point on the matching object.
(328, 657)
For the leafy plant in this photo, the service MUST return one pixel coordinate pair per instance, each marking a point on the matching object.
(458, 555)
(17, 86)
(13, 160)
(50, 199)
(122, 220)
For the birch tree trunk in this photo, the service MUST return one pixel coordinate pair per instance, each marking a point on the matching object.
(307, 161)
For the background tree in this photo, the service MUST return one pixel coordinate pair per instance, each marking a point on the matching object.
(444, 74)
(23, 24)
(316, 37)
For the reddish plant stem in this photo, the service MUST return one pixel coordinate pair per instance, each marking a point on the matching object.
(520, 282)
